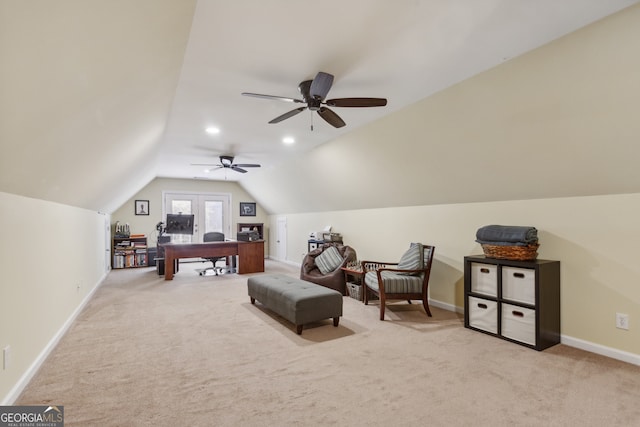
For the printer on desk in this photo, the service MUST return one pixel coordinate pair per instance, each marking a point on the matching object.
(248, 236)
(316, 235)
(318, 238)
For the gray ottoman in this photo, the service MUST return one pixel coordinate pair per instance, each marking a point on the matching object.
(296, 300)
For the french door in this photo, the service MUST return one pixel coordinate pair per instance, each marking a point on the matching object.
(211, 212)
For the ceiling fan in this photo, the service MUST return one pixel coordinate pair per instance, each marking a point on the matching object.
(314, 93)
(226, 162)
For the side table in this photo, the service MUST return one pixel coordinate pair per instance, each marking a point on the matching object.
(353, 276)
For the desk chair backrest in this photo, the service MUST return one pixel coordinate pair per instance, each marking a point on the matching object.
(213, 236)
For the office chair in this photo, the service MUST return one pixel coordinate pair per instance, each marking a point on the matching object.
(213, 236)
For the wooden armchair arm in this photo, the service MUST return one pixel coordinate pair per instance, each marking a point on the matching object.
(374, 265)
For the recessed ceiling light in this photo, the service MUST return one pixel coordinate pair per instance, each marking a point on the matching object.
(288, 140)
(212, 130)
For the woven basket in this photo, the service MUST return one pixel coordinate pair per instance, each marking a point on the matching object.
(354, 291)
(516, 253)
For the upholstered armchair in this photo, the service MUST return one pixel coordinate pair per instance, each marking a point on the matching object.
(407, 279)
(322, 266)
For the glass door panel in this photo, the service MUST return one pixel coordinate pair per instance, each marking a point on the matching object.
(212, 212)
(184, 206)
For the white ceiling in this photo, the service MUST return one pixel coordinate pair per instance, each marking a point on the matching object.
(403, 50)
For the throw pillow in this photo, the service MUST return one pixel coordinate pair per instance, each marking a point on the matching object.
(412, 259)
(328, 260)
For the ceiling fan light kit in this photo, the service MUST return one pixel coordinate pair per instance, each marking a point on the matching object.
(313, 94)
(226, 162)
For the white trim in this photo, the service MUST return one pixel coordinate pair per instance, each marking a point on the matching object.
(602, 350)
(446, 306)
(19, 387)
(198, 198)
(33, 369)
(286, 261)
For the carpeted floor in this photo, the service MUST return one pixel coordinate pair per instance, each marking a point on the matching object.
(195, 352)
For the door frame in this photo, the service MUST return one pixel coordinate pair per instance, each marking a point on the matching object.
(198, 198)
(281, 238)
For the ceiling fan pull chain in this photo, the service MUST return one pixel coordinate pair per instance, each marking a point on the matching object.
(311, 114)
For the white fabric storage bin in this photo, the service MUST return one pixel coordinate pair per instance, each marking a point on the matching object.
(519, 323)
(484, 279)
(483, 314)
(519, 284)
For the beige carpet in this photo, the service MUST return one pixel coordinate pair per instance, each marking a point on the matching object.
(195, 352)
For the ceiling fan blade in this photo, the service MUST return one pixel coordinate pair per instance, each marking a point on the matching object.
(247, 165)
(357, 102)
(237, 169)
(320, 85)
(287, 115)
(205, 164)
(279, 98)
(330, 117)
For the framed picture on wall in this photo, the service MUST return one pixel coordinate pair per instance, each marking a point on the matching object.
(142, 207)
(247, 209)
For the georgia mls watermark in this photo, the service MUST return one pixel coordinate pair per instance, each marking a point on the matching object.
(32, 416)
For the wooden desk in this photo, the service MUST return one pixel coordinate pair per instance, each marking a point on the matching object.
(250, 254)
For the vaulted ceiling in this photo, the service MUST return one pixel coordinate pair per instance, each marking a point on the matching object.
(98, 97)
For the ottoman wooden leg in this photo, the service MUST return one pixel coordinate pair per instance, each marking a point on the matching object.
(299, 329)
(336, 320)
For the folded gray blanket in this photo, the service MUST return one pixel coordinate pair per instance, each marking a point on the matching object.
(507, 234)
(491, 242)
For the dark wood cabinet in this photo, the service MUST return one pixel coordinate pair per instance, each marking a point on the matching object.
(250, 257)
(518, 301)
(252, 226)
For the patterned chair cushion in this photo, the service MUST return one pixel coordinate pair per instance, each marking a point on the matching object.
(412, 259)
(328, 260)
(394, 283)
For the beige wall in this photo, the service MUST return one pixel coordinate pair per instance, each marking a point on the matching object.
(595, 239)
(146, 224)
(52, 257)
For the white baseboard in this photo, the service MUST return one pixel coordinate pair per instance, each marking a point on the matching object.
(33, 369)
(564, 339)
(567, 340)
(446, 306)
(613, 353)
(35, 366)
(285, 261)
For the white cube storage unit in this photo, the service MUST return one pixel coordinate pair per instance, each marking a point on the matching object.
(515, 300)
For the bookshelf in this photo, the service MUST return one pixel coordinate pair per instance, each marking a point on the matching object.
(129, 252)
